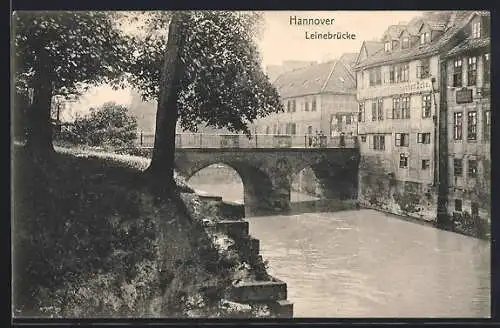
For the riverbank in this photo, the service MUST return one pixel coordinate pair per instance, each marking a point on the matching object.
(90, 241)
(452, 227)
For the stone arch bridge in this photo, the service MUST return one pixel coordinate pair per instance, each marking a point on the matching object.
(267, 173)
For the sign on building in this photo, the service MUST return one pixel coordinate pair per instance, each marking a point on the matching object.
(463, 96)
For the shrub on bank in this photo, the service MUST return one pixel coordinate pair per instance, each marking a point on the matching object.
(109, 126)
(86, 244)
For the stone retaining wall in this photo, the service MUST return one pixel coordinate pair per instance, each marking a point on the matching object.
(271, 292)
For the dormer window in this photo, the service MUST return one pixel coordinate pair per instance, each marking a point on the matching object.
(405, 43)
(387, 46)
(425, 37)
(476, 29)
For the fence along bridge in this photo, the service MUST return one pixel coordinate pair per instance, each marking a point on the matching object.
(267, 164)
(204, 140)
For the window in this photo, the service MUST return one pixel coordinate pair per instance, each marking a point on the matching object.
(426, 164)
(289, 106)
(457, 72)
(403, 161)
(402, 73)
(426, 106)
(380, 109)
(457, 167)
(425, 37)
(476, 29)
(313, 105)
(474, 209)
(396, 108)
(486, 68)
(424, 138)
(294, 105)
(379, 142)
(405, 107)
(387, 46)
(405, 43)
(424, 70)
(402, 139)
(375, 76)
(361, 112)
(363, 138)
(458, 205)
(472, 71)
(457, 126)
(348, 119)
(472, 125)
(309, 129)
(392, 74)
(374, 110)
(306, 106)
(487, 125)
(472, 168)
(267, 130)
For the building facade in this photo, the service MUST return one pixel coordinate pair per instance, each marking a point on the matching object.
(469, 121)
(398, 91)
(318, 98)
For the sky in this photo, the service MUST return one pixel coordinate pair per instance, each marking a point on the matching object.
(280, 41)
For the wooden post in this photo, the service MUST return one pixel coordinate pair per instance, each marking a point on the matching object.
(141, 140)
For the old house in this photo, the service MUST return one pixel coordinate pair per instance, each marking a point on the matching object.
(469, 120)
(398, 93)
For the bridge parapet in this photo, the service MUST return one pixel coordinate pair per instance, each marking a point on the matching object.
(204, 140)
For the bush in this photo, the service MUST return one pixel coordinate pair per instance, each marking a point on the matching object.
(107, 126)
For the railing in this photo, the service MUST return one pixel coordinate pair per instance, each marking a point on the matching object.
(202, 140)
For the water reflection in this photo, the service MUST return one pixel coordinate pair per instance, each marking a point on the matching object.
(380, 267)
(363, 263)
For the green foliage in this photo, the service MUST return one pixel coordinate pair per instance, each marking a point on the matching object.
(373, 188)
(408, 202)
(472, 225)
(108, 125)
(78, 49)
(223, 84)
(88, 247)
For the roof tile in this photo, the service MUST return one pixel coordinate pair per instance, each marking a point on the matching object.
(462, 19)
(332, 76)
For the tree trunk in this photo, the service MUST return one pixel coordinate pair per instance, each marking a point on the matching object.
(39, 137)
(161, 169)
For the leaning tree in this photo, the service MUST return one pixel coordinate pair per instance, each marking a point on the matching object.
(63, 53)
(207, 71)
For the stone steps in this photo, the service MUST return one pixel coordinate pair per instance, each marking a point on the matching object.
(273, 292)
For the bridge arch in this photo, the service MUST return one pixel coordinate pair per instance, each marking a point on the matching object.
(267, 173)
(260, 192)
(333, 179)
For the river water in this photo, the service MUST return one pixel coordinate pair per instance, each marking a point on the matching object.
(364, 263)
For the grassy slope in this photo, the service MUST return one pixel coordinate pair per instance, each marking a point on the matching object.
(89, 241)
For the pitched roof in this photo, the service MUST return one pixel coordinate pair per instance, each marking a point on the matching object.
(394, 31)
(349, 58)
(372, 47)
(420, 50)
(341, 80)
(469, 44)
(331, 76)
(413, 27)
(437, 20)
